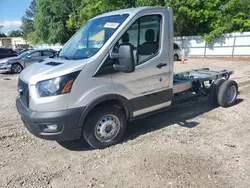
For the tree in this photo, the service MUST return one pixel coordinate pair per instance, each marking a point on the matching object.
(28, 19)
(15, 33)
(51, 20)
(194, 17)
(90, 8)
(210, 18)
(33, 37)
(2, 34)
(150, 3)
(118, 4)
(234, 17)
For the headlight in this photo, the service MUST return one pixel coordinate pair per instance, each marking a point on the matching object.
(56, 86)
(3, 65)
(3, 61)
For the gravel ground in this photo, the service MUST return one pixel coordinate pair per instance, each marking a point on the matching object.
(189, 145)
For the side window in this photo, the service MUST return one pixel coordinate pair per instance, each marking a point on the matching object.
(143, 35)
(131, 37)
(12, 51)
(149, 37)
(35, 54)
(48, 53)
(4, 51)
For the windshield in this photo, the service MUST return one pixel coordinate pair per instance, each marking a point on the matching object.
(24, 54)
(91, 37)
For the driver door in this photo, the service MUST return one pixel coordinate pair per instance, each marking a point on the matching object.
(148, 87)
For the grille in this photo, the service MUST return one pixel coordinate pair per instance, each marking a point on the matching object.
(23, 90)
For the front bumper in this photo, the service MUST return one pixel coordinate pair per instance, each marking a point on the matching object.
(4, 68)
(66, 121)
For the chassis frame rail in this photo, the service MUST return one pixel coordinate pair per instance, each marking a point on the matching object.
(194, 79)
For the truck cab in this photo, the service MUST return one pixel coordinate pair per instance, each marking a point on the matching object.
(117, 67)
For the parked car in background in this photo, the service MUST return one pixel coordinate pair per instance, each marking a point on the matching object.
(177, 52)
(21, 50)
(7, 52)
(15, 65)
(18, 50)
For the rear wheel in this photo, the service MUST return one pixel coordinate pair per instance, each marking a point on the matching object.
(16, 68)
(104, 127)
(227, 94)
(213, 91)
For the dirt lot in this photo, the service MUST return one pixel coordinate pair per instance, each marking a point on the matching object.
(189, 145)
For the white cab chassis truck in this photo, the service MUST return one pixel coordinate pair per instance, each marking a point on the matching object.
(117, 68)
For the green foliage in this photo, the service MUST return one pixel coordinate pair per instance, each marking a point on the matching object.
(51, 20)
(118, 4)
(210, 18)
(194, 17)
(33, 37)
(150, 3)
(234, 17)
(15, 33)
(2, 35)
(89, 9)
(27, 20)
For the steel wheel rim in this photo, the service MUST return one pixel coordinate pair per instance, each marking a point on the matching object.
(17, 68)
(231, 94)
(107, 128)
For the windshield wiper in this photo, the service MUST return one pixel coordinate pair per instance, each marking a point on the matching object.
(78, 58)
(66, 57)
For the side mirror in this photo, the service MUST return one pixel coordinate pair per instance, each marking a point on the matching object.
(29, 56)
(126, 59)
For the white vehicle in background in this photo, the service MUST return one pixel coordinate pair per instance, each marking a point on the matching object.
(177, 52)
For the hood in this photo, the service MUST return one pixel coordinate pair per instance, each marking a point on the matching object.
(10, 59)
(50, 68)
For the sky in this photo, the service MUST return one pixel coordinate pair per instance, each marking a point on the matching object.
(11, 12)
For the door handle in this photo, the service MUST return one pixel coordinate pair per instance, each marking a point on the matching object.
(159, 66)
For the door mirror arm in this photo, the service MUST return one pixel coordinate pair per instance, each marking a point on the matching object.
(118, 67)
(115, 56)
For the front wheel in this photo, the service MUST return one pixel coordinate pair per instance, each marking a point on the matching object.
(104, 127)
(16, 68)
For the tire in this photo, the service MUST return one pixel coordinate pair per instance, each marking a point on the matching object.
(213, 92)
(227, 94)
(16, 68)
(176, 57)
(104, 127)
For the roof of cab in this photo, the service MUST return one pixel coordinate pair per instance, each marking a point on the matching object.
(128, 11)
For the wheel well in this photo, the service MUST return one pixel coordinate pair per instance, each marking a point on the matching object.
(116, 103)
(120, 102)
(17, 63)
